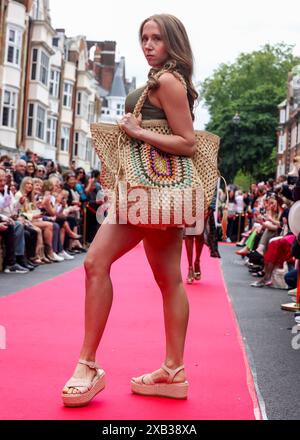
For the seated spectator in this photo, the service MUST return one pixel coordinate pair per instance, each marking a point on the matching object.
(279, 251)
(266, 226)
(12, 232)
(45, 202)
(30, 210)
(20, 172)
(292, 276)
(73, 200)
(29, 154)
(73, 196)
(40, 172)
(7, 231)
(82, 186)
(6, 164)
(13, 188)
(95, 199)
(30, 169)
(51, 169)
(66, 221)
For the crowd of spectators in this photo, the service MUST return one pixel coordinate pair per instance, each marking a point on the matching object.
(258, 221)
(47, 215)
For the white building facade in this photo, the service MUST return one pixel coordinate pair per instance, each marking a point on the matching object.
(50, 88)
(38, 98)
(11, 69)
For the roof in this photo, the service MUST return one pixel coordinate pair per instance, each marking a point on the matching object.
(283, 104)
(102, 92)
(118, 86)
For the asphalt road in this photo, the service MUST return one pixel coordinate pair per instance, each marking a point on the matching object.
(267, 334)
(11, 283)
(266, 330)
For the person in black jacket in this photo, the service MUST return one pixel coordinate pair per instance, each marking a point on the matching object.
(20, 172)
(296, 191)
(291, 276)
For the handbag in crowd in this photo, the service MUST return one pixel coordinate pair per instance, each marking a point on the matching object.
(166, 189)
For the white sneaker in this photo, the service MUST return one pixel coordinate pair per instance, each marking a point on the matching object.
(57, 258)
(66, 256)
(292, 292)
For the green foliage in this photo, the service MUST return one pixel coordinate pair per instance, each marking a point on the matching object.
(243, 180)
(252, 86)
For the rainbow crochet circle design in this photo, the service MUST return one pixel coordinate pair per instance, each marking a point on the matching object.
(154, 167)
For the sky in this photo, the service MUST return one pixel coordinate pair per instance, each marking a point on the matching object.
(219, 30)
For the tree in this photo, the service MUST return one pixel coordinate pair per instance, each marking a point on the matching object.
(253, 86)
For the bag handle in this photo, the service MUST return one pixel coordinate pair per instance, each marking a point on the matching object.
(136, 112)
(226, 188)
(141, 101)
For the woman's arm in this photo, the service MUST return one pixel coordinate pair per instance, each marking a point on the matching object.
(172, 98)
(49, 208)
(90, 185)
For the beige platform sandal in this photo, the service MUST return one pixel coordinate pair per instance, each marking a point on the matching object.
(94, 386)
(147, 387)
(191, 276)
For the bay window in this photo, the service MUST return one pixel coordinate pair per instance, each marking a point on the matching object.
(51, 131)
(91, 117)
(14, 46)
(79, 145)
(68, 93)
(65, 139)
(40, 66)
(9, 108)
(36, 122)
(54, 83)
(40, 122)
(82, 105)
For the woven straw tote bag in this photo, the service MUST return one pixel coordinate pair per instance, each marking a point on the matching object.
(166, 179)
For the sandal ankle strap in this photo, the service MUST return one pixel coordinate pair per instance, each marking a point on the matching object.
(91, 364)
(172, 373)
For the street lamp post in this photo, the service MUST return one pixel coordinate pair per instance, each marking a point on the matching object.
(236, 122)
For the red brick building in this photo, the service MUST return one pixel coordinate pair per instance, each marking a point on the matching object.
(289, 125)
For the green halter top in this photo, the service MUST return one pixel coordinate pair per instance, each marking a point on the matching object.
(149, 111)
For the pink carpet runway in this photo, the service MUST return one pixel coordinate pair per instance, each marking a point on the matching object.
(44, 330)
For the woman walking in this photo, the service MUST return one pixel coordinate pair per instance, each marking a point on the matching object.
(165, 44)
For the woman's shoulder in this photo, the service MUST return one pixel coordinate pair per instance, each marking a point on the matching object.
(171, 80)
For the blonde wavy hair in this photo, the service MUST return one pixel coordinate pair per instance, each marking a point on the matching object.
(22, 187)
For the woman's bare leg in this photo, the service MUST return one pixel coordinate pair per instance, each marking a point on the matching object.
(39, 244)
(199, 242)
(189, 246)
(69, 231)
(62, 235)
(47, 229)
(268, 269)
(163, 250)
(189, 243)
(110, 243)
